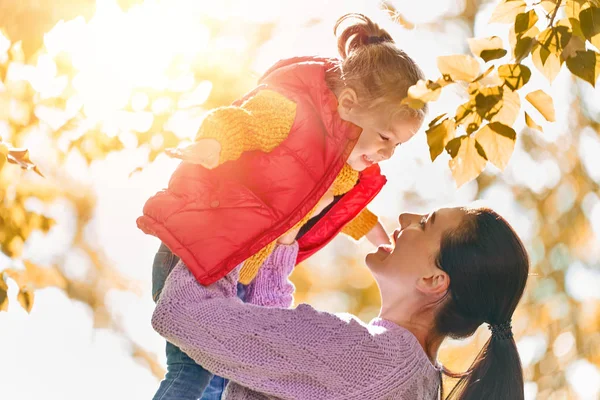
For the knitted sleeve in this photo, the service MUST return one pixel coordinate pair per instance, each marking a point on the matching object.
(260, 123)
(361, 225)
(271, 287)
(296, 353)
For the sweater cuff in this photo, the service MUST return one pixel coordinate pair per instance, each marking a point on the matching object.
(283, 258)
(361, 225)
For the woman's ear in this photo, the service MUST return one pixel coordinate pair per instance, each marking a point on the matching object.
(435, 282)
(347, 102)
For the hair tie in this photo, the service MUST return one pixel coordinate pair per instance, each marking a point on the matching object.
(375, 39)
(501, 331)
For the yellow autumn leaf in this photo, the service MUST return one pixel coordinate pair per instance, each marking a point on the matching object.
(543, 103)
(550, 67)
(531, 123)
(468, 161)
(590, 25)
(438, 135)
(511, 105)
(514, 75)
(498, 141)
(548, 5)
(3, 294)
(507, 10)
(425, 91)
(574, 7)
(25, 298)
(488, 49)
(459, 67)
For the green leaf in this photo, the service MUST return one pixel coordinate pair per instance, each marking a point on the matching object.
(507, 10)
(3, 294)
(459, 67)
(438, 136)
(498, 141)
(515, 76)
(590, 25)
(25, 298)
(468, 159)
(584, 65)
(531, 123)
(543, 103)
(487, 48)
(525, 21)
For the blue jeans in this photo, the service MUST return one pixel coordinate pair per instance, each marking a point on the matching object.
(185, 380)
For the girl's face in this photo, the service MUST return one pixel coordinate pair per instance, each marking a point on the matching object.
(380, 134)
(378, 140)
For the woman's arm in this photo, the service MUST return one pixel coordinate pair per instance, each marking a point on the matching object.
(271, 287)
(288, 353)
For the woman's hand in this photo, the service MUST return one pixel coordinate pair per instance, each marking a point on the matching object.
(378, 236)
(205, 152)
(290, 236)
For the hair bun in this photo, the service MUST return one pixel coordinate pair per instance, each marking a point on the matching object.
(360, 32)
(376, 40)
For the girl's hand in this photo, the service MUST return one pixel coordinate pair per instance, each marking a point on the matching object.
(290, 236)
(204, 152)
(378, 236)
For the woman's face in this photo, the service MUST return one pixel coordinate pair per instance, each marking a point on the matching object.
(416, 246)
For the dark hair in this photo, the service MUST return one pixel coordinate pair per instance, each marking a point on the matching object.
(488, 268)
(374, 67)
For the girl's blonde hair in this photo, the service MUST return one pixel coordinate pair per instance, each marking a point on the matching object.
(374, 67)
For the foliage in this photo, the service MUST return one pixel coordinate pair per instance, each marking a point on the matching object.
(481, 129)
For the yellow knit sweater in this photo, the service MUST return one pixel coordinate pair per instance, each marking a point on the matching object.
(262, 123)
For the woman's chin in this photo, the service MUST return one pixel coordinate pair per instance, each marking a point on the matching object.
(380, 254)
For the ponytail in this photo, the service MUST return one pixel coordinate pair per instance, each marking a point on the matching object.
(496, 374)
(488, 267)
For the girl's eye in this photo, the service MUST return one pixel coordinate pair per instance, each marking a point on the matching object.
(385, 139)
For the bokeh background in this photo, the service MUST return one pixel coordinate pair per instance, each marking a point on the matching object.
(97, 90)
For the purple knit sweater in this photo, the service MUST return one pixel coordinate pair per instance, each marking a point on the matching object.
(269, 351)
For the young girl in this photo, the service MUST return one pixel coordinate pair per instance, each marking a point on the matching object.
(312, 126)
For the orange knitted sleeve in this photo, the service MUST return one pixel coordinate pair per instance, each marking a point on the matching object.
(360, 225)
(260, 123)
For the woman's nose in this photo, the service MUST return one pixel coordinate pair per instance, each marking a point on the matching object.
(406, 219)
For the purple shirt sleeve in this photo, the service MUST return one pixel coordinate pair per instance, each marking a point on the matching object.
(286, 353)
(271, 287)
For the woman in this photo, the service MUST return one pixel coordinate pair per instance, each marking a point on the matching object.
(448, 272)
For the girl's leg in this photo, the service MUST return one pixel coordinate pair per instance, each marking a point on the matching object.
(185, 380)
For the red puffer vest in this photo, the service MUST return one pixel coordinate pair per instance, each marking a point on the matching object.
(215, 219)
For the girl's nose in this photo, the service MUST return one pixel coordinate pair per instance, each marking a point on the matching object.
(387, 152)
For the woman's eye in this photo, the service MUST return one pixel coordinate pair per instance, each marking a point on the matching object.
(384, 138)
(423, 222)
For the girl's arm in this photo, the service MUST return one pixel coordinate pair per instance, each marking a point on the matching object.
(287, 353)
(367, 224)
(261, 123)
